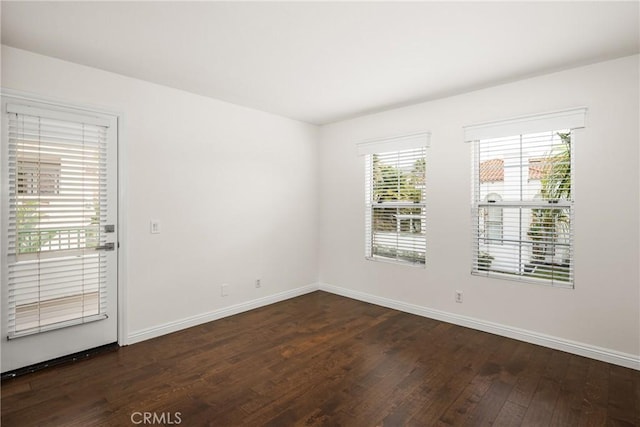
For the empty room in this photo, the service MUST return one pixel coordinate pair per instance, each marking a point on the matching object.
(320, 213)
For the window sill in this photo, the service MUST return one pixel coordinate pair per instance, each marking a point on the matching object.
(524, 279)
(396, 261)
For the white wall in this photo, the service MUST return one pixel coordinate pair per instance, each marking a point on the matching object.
(235, 190)
(603, 311)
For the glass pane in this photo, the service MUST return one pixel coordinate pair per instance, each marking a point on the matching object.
(398, 176)
(525, 168)
(534, 242)
(399, 233)
(58, 191)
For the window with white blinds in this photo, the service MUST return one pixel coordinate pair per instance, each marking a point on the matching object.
(395, 182)
(522, 213)
(57, 175)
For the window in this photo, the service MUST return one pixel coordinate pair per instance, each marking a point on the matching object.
(395, 219)
(522, 213)
(57, 211)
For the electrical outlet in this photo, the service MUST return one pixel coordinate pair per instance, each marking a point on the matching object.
(258, 284)
(459, 296)
(224, 290)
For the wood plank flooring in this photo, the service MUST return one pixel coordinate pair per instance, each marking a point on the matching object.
(321, 359)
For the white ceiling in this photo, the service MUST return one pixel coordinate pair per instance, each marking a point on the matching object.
(321, 62)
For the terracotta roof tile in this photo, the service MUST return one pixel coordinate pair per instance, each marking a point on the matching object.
(537, 168)
(492, 171)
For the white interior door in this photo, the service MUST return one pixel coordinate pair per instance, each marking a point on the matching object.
(59, 231)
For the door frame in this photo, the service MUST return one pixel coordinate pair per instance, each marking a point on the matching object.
(122, 236)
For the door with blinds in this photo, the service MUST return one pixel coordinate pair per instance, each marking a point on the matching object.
(59, 231)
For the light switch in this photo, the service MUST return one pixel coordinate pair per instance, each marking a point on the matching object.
(155, 226)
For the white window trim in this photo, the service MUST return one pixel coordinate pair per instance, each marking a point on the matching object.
(394, 143)
(573, 118)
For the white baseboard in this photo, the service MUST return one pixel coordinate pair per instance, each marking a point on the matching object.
(581, 349)
(199, 319)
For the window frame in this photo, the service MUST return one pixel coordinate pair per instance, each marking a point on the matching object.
(574, 121)
(400, 146)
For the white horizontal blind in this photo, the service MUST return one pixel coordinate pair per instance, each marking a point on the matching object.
(57, 213)
(523, 207)
(395, 219)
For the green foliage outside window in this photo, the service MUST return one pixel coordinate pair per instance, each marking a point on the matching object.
(547, 224)
(392, 184)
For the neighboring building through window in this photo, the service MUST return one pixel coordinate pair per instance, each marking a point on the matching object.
(492, 220)
(39, 176)
(523, 197)
(395, 218)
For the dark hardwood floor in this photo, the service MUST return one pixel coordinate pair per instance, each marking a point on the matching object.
(321, 359)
